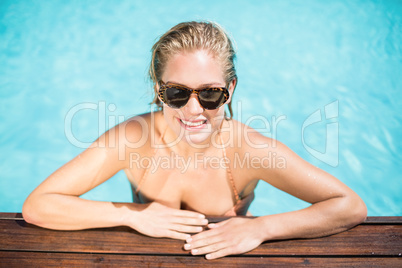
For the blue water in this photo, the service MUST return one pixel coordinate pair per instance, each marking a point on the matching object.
(324, 75)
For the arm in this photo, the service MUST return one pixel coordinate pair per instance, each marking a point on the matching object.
(334, 208)
(56, 203)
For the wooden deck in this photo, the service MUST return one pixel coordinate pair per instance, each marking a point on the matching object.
(376, 242)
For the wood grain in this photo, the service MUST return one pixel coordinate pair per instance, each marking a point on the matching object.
(40, 259)
(377, 242)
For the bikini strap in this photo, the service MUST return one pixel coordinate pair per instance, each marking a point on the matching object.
(229, 171)
(141, 182)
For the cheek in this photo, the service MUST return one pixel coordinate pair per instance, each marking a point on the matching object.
(168, 113)
(217, 116)
(220, 111)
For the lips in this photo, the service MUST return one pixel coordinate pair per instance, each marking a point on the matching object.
(192, 124)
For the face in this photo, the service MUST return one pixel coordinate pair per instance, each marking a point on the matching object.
(192, 123)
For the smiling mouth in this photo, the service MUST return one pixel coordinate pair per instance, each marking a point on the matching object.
(193, 124)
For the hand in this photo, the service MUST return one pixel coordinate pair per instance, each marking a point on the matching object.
(157, 220)
(233, 236)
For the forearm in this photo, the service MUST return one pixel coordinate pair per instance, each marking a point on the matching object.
(63, 212)
(320, 219)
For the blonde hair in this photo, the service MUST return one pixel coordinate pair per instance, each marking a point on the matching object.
(190, 36)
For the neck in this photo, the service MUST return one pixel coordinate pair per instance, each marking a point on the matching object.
(186, 147)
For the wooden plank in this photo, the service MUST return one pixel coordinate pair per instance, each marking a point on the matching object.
(383, 220)
(363, 240)
(38, 259)
(11, 216)
(370, 220)
(19, 235)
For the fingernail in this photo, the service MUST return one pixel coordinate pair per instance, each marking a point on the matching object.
(201, 216)
(187, 246)
(188, 240)
(208, 256)
(205, 221)
(194, 251)
(211, 225)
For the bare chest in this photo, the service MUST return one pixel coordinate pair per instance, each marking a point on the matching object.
(203, 186)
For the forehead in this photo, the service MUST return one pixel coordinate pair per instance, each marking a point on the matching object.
(193, 69)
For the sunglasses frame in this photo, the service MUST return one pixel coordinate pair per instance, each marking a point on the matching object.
(164, 86)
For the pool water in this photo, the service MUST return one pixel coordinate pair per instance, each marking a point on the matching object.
(323, 78)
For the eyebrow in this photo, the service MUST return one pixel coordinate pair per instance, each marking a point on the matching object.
(214, 84)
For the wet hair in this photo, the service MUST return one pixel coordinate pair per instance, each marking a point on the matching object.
(191, 36)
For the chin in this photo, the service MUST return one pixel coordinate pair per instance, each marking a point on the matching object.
(189, 128)
(200, 139)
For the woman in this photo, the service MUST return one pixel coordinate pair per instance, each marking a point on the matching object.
(189, 160)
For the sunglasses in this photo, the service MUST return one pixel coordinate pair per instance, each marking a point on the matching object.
(176, 96)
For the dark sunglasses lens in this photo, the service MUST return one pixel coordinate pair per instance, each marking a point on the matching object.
(212, 99)
(176, 97)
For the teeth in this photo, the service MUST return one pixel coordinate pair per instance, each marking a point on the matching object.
(191, 124)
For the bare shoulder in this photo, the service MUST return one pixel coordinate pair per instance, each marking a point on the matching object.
(261, 156)
(248, 139)
(135, 128)
(136, 131)
(132, 135)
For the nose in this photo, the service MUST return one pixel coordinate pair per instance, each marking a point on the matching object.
(193, 106)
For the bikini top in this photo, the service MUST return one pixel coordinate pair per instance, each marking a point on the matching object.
(242, 204)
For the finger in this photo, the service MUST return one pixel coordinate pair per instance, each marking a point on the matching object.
(219, 254)
(175, 235)
(213, 225)
(218, 224)
(185, 228)
(204, 235)
(199, 243)
(210, 248)
(189, 221)
(187, 214)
